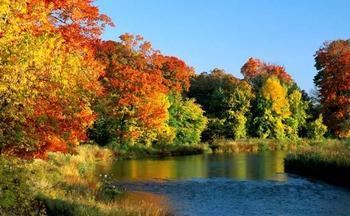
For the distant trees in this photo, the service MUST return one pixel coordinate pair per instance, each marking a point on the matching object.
(266, 103)
(226, 101)
(333, 82)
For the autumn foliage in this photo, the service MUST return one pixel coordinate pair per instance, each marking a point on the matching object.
(136, 83)
(47, 80)
(333, 81)
(256, 68)
(61, 84)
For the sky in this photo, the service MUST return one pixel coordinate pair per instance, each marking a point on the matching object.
(223, 34)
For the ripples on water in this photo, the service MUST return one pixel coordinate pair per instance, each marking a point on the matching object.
(218, 190)
(219, 196)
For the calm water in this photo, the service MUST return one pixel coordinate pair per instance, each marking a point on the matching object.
(230, 184)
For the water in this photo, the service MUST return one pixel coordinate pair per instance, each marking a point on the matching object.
(230, 184)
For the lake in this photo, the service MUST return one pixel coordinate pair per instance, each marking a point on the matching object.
(228, 184)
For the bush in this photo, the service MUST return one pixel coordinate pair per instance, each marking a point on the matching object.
(316, 129)
(16, 197)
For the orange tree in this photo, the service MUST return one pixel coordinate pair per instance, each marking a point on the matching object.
(333, 82)
(46, 80)
(137, 79)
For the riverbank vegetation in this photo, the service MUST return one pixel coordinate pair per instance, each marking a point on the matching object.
(67, 184)
(61, 86)
(328, 161)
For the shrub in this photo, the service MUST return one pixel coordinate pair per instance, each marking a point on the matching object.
(16, 196)
(316, 129)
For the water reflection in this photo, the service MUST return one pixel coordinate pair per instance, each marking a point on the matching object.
(242, 166)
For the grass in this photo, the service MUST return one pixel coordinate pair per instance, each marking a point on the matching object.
(140, 151)
(328, 161)
(257, 145)
(74, 184)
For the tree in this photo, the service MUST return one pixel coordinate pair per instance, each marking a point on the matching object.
(134, 94)
(316, 129)
(270, 110)
(298, 119)
(46, 83)
(333, 82)
(79, 22)
(254, 70)
(186, 120)
(136, 82)
(223, 97)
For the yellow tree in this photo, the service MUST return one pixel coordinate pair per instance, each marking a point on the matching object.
(45, 83)
(274, 110)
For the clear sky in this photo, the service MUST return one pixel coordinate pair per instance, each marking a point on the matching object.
(210, 34)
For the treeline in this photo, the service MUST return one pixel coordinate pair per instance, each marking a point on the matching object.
(266, 103)
(60, 85)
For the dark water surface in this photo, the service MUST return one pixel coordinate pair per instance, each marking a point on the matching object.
(231, 184)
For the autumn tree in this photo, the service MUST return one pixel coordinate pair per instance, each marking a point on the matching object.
(136, 82)
(256, 71)
(46, 83)
(280, 108)
(333, 82)
(270, 110)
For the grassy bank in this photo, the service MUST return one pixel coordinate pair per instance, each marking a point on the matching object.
(67, 184)
(139, 151)
(257, 145)
(329, 161)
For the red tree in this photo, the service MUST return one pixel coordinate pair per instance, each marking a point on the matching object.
(255, 67)
(333, 81)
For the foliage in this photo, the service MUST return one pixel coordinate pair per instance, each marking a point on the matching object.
(134, 107)
(186, 120)
(46, 81)
(316, 129)
(16, 196)
(298, 119)
(271, 109)
(226, 101)
(256, 145)
(333, 82)
(255, 69)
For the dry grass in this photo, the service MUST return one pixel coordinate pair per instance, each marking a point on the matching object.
(255, 145)
(70, 183)
(328, 161)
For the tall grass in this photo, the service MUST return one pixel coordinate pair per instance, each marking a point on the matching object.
(256, 145)
(328, 161)
(77, 184)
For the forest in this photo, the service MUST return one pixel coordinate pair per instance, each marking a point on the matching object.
(67, 95)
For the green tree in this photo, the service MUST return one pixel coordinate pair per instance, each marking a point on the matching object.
(316, 129)
(226, 101)
(298, 108)
(186, 119)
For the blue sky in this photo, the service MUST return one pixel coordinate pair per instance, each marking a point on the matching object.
(210, 34)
